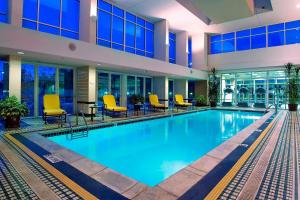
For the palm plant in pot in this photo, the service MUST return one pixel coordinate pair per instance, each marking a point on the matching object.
(292, 75)
(213, 87)
(11, 110)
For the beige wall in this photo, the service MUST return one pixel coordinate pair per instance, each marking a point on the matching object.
(201, 88)
(181, 48)
(15, 76)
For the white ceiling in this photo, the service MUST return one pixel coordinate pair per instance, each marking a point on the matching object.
(181, 19)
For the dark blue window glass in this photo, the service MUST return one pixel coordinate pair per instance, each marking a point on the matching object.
(293, 24)
(27, 87)
(150, 26)
(228, 36)
(276, 39)
(30, 9)
(172, 48)
(119, 12)
(190, 53)
(140, 38)
(130, 34)
(140, 21)
(118, 47)
(104, 25)
(215, 38)
(70, 34)
(243, 33)
(70, 15)
(258, 41)
(228, 46)
(104, 43)
(150, 55)
(50, 12)
(29, 25)
(4, 79)
(215, 47)
(276, 27)
(243, 43)
(118, 30)
(139, 52)
(258, 30)
(130, 50)
(48, 29)
(104, 6)
(149, 41)
(66, 90)
(130, 17)
(292, 36)
(4, 11)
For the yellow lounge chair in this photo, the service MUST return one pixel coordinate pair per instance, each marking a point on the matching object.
(154, 102)
(52, 107)
(179, 101)
(110, 104)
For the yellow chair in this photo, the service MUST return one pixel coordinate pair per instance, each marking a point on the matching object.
(179, 101)
(110, 104)
(154, 102)
(52, 107)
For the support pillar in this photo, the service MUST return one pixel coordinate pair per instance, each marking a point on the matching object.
(88, 21)
(15, 76)
(182, 48)
(16, 12)
(161, 87)
(161, 38)
(181, 87)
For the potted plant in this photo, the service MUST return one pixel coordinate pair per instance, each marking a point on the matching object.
(11, 110)
(136, 101)
(200, 101)
(292, 75)
(213, 88)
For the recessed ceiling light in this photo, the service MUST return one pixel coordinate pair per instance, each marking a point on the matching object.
(99, 64)
(298, 6)
(20, 53)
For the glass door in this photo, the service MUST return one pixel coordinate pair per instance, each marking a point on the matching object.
(66, 90)
(103, 86)
(228, 89)
(260, 89)
(116, 87)
(148, 88)
(27, 86)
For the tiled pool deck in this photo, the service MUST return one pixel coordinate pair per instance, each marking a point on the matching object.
(260, 162)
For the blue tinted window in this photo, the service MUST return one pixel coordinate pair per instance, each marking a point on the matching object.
(228, 36)
(30, 9)
(4, 79)
(258, 41)
(216, 38)
(66, 91)
(140, 38)
(172, 48)
(293, 24)
(104, 25)
(27, 87)
(130, 17)
(50, 12)
(118, 30)
(140, 21)
(150, 26)
(216, 47)
(228, 45)
(243, 33)
(29, 25)
(130, 34)
(118, 47)
(48, 29)
(119, 12)
(104, 6)
(243, 43)
(276, 39)
(70, 34)
(292, 36)
(259, 30)
(104, 43)
(276, 27)
(4, 11)
(139, 52)
(130, 50)
(149, 41)
(70, 18)
(190, 53)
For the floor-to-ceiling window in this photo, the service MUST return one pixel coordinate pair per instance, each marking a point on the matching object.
(244, 89)
(58, 17)
(260, 89)
(140, 86)
(124, 31)
(116, 86)
(171, 90)
(103, 86)
(4, 79)
(190, 53)
(191, 89)
(27, 86)
(172, 48)
(4, 11)
(148, 88)
(66, 89)
(228, 88)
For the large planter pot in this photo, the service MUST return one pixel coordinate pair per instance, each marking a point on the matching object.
(12, 122)
(213, 104)
(293, 107)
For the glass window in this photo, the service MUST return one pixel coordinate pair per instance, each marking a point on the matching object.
(148, 88)
(118, 12)
(172, 48)
(276, 27)
(243, 43)
(215, 38)
(130, 87)
(116, 87)
(46, 84)
(130, 34)
(4, 70)
(118, 30)
(190, 53)
(228, 46)
(171, 90)
(150, 43)
(4, 11)
(104, 5)
(104, 25)
(103, 84)
(292, 36)
(258, 41)
(66, 89)
(58, 17)
(130, 17)
(27, 87)
(140, 38)
(276, 39)
(215, 47)
(191, 89)
(140, 86)
(228, 36)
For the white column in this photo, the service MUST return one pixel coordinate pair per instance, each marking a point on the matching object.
(181, 87)
(161, 87)
(161, 38)
(182, 48)
(15, 76)
(88, 21)
(15, 12)
(200, 51)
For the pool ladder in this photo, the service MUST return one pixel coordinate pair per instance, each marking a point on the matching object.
(81, 134)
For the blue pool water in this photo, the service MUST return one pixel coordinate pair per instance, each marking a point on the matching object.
(151, 151)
